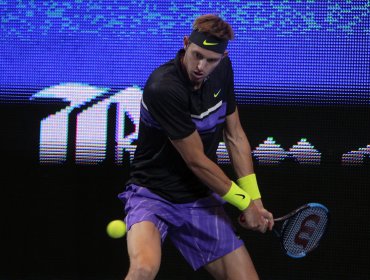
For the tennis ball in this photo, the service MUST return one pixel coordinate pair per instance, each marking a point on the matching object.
(116, 229)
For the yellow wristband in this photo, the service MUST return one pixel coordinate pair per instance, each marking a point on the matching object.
(237, 197)
(249, 184)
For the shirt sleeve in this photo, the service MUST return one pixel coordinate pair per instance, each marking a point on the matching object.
(169, 107)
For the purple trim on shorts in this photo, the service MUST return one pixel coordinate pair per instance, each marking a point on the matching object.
(200, 230)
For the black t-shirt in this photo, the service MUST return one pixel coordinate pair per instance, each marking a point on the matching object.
(171, 109)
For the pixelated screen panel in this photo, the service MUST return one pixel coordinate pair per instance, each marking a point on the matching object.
(97, 55)
(284, 51)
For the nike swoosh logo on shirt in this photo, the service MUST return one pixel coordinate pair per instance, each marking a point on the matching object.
(205, 43)
(217, 93)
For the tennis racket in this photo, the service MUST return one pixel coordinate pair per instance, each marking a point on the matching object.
(301, 230)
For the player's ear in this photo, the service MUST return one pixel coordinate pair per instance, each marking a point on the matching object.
(186, 42)
(226, 53)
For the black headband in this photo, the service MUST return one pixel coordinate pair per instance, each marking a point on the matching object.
(208, 42)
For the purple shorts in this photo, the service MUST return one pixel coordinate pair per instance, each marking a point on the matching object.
(200, 230)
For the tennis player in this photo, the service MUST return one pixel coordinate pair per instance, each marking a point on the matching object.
(175, 188)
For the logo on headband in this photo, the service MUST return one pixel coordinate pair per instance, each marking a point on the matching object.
(208, 43)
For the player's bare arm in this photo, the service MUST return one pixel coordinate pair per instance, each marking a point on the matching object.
(191, 150)
(241, 158)
(238, 146)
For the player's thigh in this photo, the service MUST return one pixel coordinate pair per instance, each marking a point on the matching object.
(144, 244)
(236, 265)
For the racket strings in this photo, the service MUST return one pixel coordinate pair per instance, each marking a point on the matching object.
(302, 232)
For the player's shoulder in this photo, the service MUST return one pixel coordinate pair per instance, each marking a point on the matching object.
(164, 71)
(223, 70)
(162, 76)
(163, 79)
(163, 83)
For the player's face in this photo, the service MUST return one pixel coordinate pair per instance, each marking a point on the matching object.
(199, 63)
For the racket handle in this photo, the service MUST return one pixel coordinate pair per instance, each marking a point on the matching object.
(241, 219)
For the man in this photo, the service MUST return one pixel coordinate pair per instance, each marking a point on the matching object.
(175, 186)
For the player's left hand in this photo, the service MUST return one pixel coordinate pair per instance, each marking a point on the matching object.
(266, 217)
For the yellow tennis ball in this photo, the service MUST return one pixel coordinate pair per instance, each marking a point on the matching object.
(116, 229)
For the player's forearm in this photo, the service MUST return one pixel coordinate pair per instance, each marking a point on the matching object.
(239, 152)
(192, 151)
(210, 174)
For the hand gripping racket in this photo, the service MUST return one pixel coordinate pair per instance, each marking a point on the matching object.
(301, 230)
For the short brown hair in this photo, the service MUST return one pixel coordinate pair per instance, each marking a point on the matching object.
(214, 25)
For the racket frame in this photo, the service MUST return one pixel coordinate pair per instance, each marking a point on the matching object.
(279, 231)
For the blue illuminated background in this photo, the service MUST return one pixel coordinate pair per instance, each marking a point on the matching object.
(296, 52)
